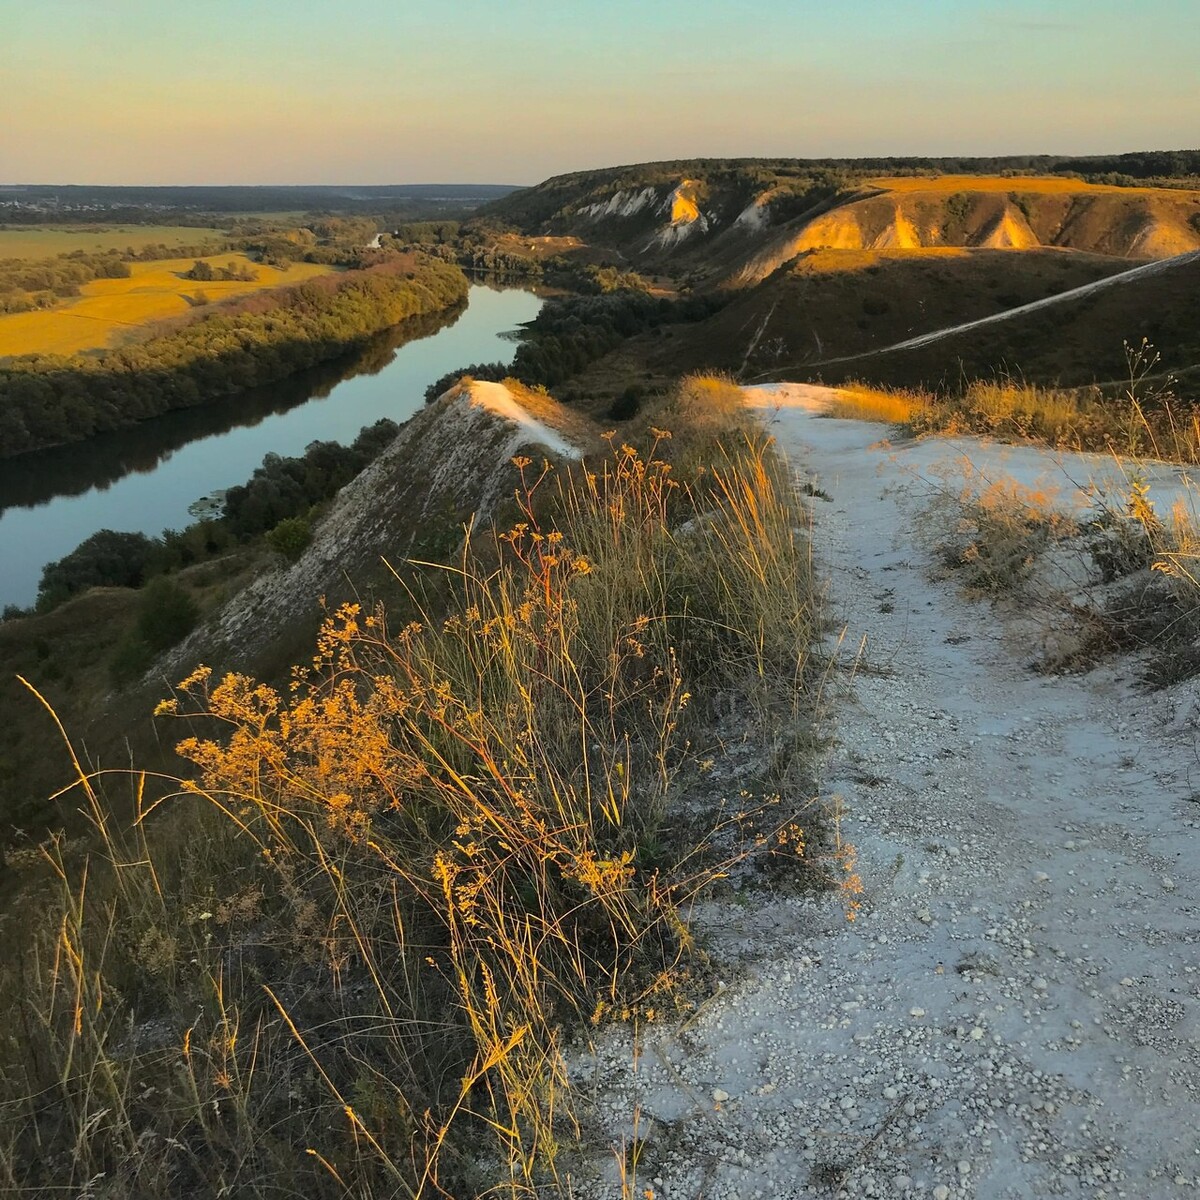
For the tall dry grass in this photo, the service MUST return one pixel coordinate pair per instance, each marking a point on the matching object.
(895, 406)
(1144, 418)
(340, 959)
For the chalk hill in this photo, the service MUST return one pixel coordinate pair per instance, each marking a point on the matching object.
(729, 224)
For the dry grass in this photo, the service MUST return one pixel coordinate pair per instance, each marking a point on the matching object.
(998, 529)
(343, 961)
(109, 310)
(1047, 185)
(896, 406)
(1158, 614)
(1145, 420)
(1123, 580)
(828, 261)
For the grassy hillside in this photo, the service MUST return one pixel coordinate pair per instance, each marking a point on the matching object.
(1076, 343)
(381, 899)
(830, 303)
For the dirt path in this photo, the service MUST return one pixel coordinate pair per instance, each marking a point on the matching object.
(1016, 1013)
(1152, 268)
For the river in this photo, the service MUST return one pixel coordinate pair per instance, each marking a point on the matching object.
(144, 479)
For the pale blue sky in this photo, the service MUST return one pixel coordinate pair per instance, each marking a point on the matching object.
(393, 91)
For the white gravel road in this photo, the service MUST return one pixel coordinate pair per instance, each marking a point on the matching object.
(1016, 1012)
(1134, 273)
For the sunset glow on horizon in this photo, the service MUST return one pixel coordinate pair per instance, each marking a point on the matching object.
(263, 91)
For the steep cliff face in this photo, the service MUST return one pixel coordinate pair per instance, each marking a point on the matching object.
(451, 461)
(1023, 214)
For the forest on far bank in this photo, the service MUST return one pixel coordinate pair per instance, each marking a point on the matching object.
(47, 400)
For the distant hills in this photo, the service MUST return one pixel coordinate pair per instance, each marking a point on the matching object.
(241, 199)
(735, 221)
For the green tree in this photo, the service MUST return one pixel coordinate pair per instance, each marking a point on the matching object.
(290, 537)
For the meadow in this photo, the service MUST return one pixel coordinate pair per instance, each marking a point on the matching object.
(45, 241)
(109, 311)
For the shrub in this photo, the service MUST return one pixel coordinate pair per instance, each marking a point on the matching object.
(166, 614)
(290, 537)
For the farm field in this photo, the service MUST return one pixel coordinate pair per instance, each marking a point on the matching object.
(109, 309)
(45, 241)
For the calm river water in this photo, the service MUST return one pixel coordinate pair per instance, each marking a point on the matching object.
(144, 479)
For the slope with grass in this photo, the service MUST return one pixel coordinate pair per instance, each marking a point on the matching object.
(830, 303)
(1075, 338)
(449, 462)
(380, 901)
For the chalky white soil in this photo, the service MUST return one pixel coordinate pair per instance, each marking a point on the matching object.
(1016, 1012)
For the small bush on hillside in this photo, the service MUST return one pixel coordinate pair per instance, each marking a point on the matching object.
(290, 537)
(627, 404)
(166, 614)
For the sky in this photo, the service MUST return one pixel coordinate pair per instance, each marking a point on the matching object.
(512, 91)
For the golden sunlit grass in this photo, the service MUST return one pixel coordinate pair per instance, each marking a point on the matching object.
(832, 261)
(1119, 579)
(1146, 420)
(1049, 185)
(996, 530)
(109, 310)
(343, 958)
(45, 241)
(861, 402)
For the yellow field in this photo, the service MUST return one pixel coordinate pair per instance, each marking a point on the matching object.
(1051, 185)
(45, 241)
(108, 309)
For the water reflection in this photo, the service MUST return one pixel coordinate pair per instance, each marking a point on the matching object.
(34, 479)
(144, 479)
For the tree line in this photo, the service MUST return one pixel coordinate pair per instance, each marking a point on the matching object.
(572, 331)
(232, 272)
(1139, 165)
(49, 399)
(282, 489)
